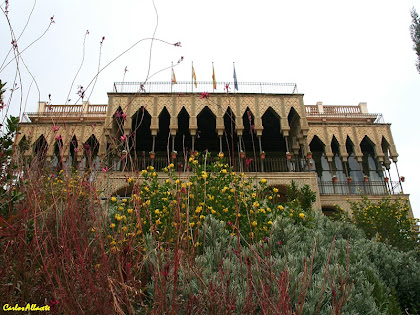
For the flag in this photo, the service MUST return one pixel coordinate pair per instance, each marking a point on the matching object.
(235, 80)
(214, 80)
(173, 78)
(194, 77)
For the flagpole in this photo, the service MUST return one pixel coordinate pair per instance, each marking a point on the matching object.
(192, 76)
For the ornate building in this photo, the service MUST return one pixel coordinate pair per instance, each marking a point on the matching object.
(265, 129)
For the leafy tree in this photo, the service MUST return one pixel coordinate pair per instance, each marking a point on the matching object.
(388, 220)
(415, 35)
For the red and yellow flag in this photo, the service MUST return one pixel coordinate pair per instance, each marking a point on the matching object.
(214, 80)
(173, 78)
(194, 77)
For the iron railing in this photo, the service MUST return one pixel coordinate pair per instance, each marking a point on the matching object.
(359, 188)
(189, 87)
(249, 164)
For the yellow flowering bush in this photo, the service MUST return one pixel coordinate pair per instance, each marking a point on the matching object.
(178, 207)
(388, 220)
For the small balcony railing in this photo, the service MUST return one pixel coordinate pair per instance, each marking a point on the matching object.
(359, 188)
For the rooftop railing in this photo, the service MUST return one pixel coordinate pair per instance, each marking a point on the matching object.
(189, 87)
(342, 112)
(85, 110)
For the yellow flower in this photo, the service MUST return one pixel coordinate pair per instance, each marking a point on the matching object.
(92, 229)
(157, 211)
(171, 165)
(270, 222)
(198, 209)
(263, 180)
(202, 217)
(192, 224)
(197, 244)
(158, 222)
(120, 208)
(213, 211)
(204, 175)
(254, 223)
(112, 225)
(113, 199)
(280, 207)
(221, 155)
(224, 171)
(275, 190)
(225, 210)
(129, 180)
(301, 215)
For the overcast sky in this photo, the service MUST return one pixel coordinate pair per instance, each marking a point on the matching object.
(338, 52)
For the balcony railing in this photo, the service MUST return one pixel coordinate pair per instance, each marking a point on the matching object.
(359, 188)
(71, 111)
(250, 164)
(189, 87)
(342, 112)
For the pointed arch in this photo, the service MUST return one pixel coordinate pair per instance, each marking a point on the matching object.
(321, 166)
(73, 151)
(40, 148)
(141, 134)
(230, 137)
(90, 152)
(118, 123)
(353, 166)
(58, 153)
(183, 136)
(371, 166)
(207, 138)
(248, 139)
(163, 137)
(272, 138)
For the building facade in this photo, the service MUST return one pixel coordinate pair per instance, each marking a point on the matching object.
(266, 130)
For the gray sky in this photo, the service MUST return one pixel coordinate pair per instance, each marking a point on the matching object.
(338, 52)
